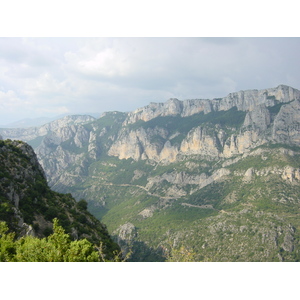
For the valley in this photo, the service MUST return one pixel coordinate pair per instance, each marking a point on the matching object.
(218, 177)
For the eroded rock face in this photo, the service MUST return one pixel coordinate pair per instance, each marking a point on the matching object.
(172, 107)
(259, 117)
(198, 141)
(259, 122)
(64, 147)
(287, 124)
(126, 231)
(271, 115)
(138, 144)
(244, 100)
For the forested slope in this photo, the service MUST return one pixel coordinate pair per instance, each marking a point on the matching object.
(28, 206)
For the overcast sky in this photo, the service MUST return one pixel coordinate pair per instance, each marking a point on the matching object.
(51, 76)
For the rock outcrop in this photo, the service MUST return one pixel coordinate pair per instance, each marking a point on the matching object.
(271, 110)
(268, 116)
(243, 100)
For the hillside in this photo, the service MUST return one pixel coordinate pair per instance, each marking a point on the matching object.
(219, 177)
(28, 205)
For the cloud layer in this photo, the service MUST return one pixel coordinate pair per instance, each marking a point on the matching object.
(50, 76)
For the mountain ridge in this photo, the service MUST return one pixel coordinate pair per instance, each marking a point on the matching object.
(243, 100)
(220, 176)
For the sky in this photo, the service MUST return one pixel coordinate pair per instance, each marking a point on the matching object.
(45, 77)
(74, 57)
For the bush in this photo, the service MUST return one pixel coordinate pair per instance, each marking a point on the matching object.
(82, 204)
(57, 247)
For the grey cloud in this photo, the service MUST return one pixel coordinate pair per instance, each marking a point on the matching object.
(125, 73)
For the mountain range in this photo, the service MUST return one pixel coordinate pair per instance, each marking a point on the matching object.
(218, 178)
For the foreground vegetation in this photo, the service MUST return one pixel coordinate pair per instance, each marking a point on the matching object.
(57, 247)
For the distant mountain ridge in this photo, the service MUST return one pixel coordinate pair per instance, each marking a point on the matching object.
(24, 123)
(31, 133)
(219, 176)
(242, 100)
(37, 122)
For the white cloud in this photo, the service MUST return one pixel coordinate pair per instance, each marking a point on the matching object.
(106, 64)
(45, 75)
(47, 87)
(9, 101)
(56, 110)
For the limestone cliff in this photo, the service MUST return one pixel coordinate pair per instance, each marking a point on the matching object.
(270, 110)
(244, 100)
(164, 132)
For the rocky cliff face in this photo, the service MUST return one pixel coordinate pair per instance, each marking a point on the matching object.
(243, 100)
(47, 141)
(204, 127)
(199, 173)
(271, 110)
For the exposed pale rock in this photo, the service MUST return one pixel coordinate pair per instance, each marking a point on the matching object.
(138, 174)
(247, 100)
(288, 241)
(259, 117)
(291, 174)
(231, 197)
(175, 192)
(216, 176)
(182, 179)
(81, 136)
(248, 175)
(286, 128)
(127, 147)
(250, 99)
(138, 144)
(168, 153)
(92, 145)
(126, 231)
(170, 108)
(242, 143)
(199, 142)
(147, 212)
(179, 178)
